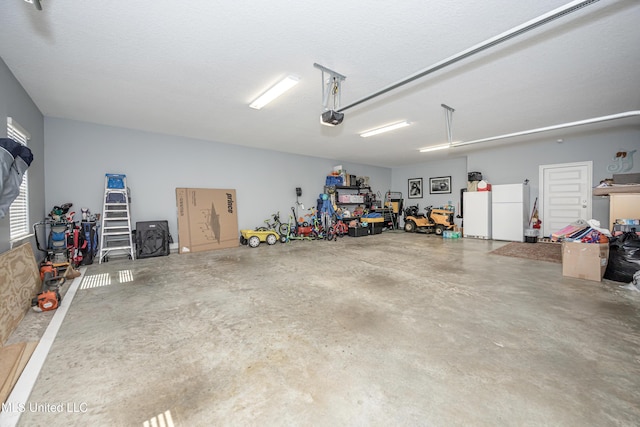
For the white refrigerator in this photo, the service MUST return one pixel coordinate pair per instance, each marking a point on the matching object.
(476, 221)
(510, 211)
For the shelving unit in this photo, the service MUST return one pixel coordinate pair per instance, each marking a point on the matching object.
(341, 197)
(336, 191)
(353, 191)
(623, 206)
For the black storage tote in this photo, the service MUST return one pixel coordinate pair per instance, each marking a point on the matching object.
(152, 239)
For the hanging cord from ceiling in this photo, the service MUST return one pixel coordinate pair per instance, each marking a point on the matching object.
(335, 92)
(331, 86)
(509, 34)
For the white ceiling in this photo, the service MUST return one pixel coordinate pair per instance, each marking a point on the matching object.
(191, 68)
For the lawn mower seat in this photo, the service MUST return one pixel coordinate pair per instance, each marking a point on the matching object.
(413, 211)
(428, 213)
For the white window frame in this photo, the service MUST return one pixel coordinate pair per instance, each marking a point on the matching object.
(19, 209)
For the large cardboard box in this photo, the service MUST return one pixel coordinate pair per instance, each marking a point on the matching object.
(585, 260)
(207, 219)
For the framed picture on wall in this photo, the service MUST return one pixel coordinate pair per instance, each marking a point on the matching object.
(415, 188)
(440, 185)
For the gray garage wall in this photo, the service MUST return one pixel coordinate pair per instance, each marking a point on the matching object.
(16, 103)
(517, 161)
(513, 161)
(456, 168)
(79, 154)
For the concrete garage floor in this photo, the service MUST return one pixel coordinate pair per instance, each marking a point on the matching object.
(387, 330)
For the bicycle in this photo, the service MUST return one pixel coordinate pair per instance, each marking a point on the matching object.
(315, 225)
(331, 233)
(340, 227)
(337, 228)
(276, 225)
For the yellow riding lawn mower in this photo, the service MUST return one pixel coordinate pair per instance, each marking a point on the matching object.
(435, 220)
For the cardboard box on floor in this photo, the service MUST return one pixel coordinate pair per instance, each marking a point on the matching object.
(585, 260)
(207, 219)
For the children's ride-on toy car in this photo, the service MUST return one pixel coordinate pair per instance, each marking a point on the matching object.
(434, 221)
(254, 237)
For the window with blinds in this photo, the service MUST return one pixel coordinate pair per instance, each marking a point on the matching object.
(19, 209)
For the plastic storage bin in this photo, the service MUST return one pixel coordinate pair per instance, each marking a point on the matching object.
(531, 235)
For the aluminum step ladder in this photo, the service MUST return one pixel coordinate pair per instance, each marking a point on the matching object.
(115, 233)
(392, 206)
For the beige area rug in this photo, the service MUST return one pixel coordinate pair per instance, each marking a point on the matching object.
(550, 252)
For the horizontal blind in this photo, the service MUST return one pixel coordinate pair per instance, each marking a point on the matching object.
(19, 209)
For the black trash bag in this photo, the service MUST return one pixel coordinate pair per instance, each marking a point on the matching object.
(624, 257)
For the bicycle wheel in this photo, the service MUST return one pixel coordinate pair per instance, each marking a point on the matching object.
(331, 234)
(283, 229)
(314, 234)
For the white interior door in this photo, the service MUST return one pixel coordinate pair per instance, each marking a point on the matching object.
(565, 194)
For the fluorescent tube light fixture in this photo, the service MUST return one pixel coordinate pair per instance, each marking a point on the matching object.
(278, 89)
(624, 115)
(435, 148)
(384, 129)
